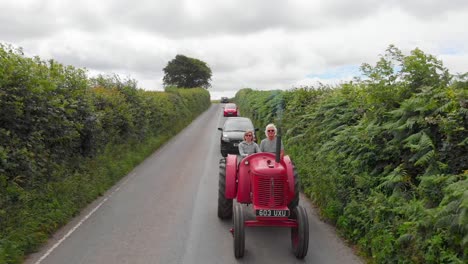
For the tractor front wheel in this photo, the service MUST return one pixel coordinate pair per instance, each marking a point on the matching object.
(224, 153)
(300, 234)
(295, 201)
(239, 231)
(224, 204)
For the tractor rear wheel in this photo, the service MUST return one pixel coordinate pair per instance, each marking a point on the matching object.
(239, 231)
(300, 234)
(224, 204)
(295, 201)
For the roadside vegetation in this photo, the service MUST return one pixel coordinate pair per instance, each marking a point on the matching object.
(384, 157)
(65, 139)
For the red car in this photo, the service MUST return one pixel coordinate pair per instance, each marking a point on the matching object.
(230, 110)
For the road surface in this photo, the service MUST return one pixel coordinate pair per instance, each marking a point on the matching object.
(165, 211)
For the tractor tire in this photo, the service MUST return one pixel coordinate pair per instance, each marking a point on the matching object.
(300, 234)
(295, 201)
(224, 153)
(224, 204)
(239, 231)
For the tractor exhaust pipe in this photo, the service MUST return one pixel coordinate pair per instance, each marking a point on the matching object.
(278, 146)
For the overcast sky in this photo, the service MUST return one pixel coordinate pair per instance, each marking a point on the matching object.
(260, 44)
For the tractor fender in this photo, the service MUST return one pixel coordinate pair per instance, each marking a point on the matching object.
(243, 185)
(231, 176)
(290, 171)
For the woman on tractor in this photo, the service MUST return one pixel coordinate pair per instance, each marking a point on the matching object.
(248, 146)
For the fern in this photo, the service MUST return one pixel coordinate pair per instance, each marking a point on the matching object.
(426, 158)
(395, 181)
(463, 218)
(447, 107)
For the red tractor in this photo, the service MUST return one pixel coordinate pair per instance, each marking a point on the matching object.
(271, 186)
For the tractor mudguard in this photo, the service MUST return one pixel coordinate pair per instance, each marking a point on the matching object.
(290, 171)
(243, 185)
(231, 176)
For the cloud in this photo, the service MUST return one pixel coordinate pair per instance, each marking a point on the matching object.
(429, 9)
(260, 44)
(19, 20)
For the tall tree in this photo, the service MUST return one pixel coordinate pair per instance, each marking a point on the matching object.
(186, 72)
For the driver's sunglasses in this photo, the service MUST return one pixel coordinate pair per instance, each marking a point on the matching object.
(248, 135)
(270, 130)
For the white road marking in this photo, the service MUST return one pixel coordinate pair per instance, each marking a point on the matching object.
(81, 222)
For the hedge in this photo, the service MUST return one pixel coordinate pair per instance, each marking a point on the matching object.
(66, 138)
(383, 156)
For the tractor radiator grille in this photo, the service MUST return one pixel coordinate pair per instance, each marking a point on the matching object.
(271, 192)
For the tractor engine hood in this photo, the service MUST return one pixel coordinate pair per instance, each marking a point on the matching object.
(267, 167)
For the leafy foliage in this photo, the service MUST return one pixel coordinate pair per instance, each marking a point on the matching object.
(186, 72)
(65, 139)
(384, 157)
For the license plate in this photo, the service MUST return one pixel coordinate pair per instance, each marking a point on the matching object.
(272, 213)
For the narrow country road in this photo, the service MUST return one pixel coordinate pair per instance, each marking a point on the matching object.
(165, 211)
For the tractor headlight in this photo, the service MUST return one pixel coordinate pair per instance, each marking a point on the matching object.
(225, 138)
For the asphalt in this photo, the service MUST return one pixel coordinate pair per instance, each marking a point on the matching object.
(165, 211)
